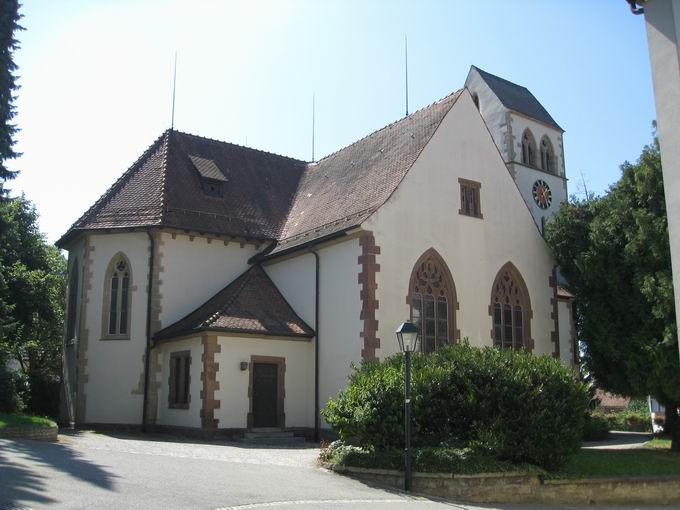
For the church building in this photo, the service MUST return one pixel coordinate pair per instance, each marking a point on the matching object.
(217, 289)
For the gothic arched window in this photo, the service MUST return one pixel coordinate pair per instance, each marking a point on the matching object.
(72, 302)
(510, 310)
(528, 148)
(547, 155)
(432, 297)
(117, 287)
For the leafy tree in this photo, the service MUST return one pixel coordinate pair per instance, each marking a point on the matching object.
(9, 25)
(614, 251)
(34, 284)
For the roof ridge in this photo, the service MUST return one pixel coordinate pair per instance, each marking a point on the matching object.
(386, 127)
(117, 185)
(164, 172)
(246, 276)
(503, 79)
(240, 146)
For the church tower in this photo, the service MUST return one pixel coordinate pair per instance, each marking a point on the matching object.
(527, 137)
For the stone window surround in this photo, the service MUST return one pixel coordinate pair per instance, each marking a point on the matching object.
(280, 388)
(173, 380)
(452, 299)
(475, 186)
(106, 304)
(528, 313)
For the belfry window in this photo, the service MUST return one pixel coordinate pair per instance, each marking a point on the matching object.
(528, 148)
(432, 300)
(547, 155)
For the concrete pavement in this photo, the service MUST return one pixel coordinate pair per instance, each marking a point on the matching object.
(97, 471)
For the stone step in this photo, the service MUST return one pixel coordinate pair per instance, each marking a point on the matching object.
(269, 433)
(273, 441)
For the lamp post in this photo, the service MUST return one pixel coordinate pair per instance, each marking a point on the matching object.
(407, 335)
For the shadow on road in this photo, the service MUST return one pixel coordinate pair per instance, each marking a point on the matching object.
(22, 478)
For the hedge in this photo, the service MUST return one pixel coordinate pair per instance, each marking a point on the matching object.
(512, 405)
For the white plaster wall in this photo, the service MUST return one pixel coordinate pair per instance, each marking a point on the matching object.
(190, 417)
(474, 249)
(493, 112)
(233, 393)
(663, 31)
(525, 177)
(339, 308)
(194, 271)
(114, 367)
(566, 340)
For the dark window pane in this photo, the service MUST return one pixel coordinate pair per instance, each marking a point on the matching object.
(497, 325)
(507, 324)
(185, 395)
(113, 310)
(442, 322)
(463, 199)
(428, 316)
(178, 380)
(519, 328)
(124, 304)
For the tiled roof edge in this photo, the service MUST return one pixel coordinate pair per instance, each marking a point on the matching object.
(115, 187)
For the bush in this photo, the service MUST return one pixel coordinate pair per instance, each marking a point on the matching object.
(595, 428)
(629, 421)
(512, 405)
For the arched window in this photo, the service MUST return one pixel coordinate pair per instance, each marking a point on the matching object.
(547, 155)
(510, 310)
(116, 311)
(432, 297)
(528, 148)
(72, 302)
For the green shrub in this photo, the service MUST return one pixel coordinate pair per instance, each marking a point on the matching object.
(628, 421)
(595, 428)
(512, 405)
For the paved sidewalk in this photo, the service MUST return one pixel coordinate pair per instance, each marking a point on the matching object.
(621, 441)
(97, 471)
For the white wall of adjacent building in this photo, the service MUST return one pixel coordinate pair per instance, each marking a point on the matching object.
(423, 213)
(190, 417)
(663, 32)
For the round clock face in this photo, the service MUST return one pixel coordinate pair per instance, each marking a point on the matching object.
(542, 194)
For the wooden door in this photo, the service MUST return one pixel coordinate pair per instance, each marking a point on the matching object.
(265, 395)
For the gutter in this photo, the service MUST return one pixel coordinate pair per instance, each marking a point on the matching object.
(316, 348)
(147, 349)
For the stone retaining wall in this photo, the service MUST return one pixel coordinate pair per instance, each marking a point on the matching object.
(530, 488)
(38, 433)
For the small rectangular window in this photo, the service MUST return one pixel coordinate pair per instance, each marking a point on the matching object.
(178, 394)
(470, 200)
(211, 187)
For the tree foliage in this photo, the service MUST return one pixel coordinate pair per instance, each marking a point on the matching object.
(32, 274)
(614, 251)
(9, 25)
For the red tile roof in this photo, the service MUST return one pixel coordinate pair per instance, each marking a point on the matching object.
(251, 304)
(265, 196)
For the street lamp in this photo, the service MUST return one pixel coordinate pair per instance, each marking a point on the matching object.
(407, 335)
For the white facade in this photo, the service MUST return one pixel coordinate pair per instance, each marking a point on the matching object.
(663, 32)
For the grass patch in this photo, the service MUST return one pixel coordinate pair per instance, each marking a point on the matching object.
(23, 420)
(659, 443)
(425, 460)
(640, 462)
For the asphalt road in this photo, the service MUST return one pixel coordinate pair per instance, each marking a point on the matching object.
(97, 471)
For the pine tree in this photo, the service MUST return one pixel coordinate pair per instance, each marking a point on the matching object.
(9, 25)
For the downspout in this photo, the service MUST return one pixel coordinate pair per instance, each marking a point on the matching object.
(316, 349)
(147, 349)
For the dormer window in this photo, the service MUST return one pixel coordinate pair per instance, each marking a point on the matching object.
(212, 178)
(211, 187)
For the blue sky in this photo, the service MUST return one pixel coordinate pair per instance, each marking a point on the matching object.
(96, 79)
